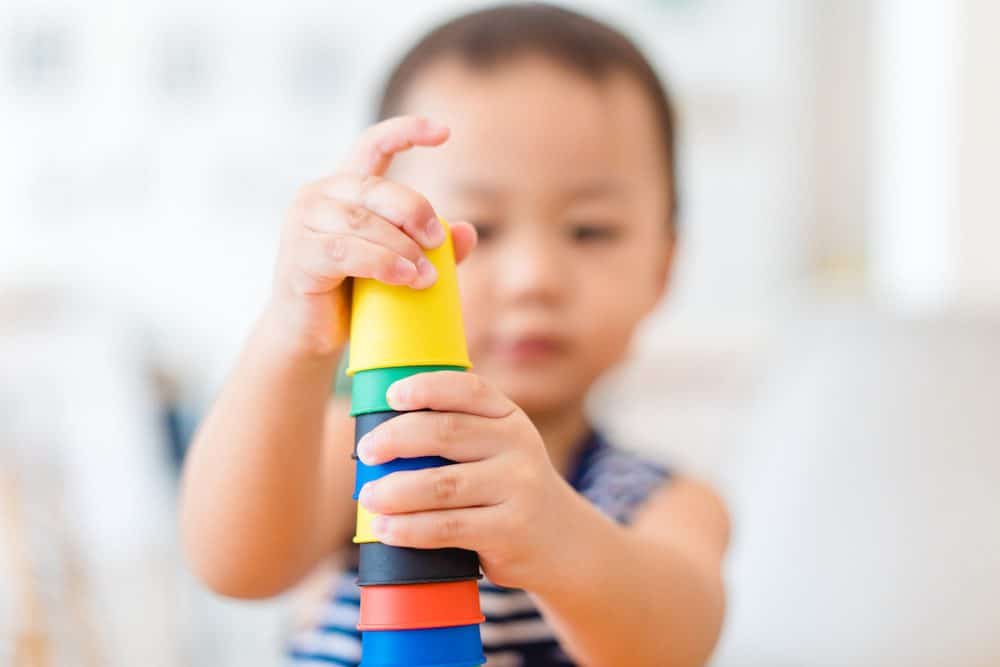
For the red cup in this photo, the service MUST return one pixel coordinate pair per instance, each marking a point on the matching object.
(415, 606)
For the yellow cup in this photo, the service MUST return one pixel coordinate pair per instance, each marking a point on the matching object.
(363, 531)
(393, 325)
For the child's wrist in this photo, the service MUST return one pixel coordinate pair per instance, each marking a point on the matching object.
(290, 329)
(576, 553)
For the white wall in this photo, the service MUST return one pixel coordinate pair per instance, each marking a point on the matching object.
(979, 140)
(935, 228)
(156, 162)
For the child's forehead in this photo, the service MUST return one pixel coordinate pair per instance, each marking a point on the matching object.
(529, 94)
(534, 128)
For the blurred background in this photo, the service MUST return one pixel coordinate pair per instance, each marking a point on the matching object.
(829, 357)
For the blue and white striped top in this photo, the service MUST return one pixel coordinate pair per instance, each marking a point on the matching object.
(514, 634)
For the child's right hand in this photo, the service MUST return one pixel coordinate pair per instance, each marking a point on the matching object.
(356, 223)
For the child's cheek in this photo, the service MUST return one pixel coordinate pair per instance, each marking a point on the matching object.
(475, 309)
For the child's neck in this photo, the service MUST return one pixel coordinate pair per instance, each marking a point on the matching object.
(561, 432)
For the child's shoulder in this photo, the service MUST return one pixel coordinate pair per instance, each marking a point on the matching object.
(615, 480)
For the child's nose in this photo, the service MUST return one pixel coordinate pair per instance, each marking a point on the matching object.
(532, 270)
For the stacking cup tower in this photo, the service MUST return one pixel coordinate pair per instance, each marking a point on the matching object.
(419, 607)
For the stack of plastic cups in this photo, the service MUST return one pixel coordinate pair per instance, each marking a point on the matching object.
(419, 607)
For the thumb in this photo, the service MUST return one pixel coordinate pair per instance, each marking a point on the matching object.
(463, 237)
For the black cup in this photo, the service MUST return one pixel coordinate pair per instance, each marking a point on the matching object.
(367, 422)
(381, 564)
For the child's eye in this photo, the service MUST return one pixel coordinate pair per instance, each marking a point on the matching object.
(486, 231)
(590, 232)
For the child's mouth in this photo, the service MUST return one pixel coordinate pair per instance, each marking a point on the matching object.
(528, 349)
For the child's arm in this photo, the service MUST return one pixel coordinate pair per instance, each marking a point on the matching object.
(258, 506)
(647, 594)
(262, 498)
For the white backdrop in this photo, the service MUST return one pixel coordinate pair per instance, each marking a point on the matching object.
(148, 151)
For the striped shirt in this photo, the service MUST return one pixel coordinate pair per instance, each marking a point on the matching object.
(514, 634)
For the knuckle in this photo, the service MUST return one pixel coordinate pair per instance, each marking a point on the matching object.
(444, 486)
(367, 183)
(335, 247)
(357, 217)
(450, 528)
(447, 427)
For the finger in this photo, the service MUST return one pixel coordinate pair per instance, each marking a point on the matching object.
(445, 487)
(334, 216)
(449, 391)
(468, 528)
(400, 205)
(464, 238)
(453, 435)
(324, 260)
(378, 144)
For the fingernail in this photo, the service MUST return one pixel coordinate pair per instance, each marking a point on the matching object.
(397, 394)
(404, 270)
(433, 125)
(366, 495)
(365, 450)
(426, 271)
(434, 231)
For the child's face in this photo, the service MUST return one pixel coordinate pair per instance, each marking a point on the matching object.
(566, 182)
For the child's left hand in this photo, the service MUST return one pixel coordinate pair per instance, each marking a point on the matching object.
(502, 498)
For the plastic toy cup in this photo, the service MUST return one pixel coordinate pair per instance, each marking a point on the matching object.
(368, 387)
(367, 422)
(363, 529)
(365, 473)
(412, 606)
(456, 646)
(396, 325)
(382, 564)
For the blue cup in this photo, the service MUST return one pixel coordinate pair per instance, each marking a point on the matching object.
(365, 473)
(457, 646)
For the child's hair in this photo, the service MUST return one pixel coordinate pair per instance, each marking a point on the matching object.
(489, 37)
